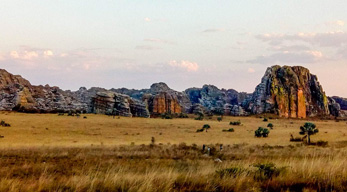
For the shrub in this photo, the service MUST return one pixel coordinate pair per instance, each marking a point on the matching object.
(262, 132)
(166, 116)
(4, 124)
(206, 126)
(270, 125)
(182, 115)
(219, 119)
(200, 116)
(200, 130)
(265, 119)
(85, 117)
(152, 140)
(267, 170)
(235, 123)
(228, 130)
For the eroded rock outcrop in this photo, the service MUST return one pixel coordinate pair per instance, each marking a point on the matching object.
(289, 92)
(217, 100)
(341, 101)
(112, 103)
(16, 93)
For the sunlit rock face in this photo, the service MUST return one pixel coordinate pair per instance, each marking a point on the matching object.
(289, 92)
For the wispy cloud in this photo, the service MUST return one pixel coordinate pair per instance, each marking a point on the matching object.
(329, 39)
(213, 30)
(186, 65)
(146, 47)
(290, 57)
(335, 23)
(154, 40)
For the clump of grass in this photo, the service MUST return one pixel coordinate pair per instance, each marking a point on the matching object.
(230, 172)
(229, 130)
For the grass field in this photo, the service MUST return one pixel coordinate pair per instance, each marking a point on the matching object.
(47, 152)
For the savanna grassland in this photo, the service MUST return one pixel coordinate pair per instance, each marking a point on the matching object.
(47, 152)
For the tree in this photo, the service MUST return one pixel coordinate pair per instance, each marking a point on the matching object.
(219, 119)
(270, 125)
(308, 129)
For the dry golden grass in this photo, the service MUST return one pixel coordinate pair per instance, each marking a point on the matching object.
(46, 152)
(54, 130)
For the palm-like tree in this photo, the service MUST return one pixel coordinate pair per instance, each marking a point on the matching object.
(308, 129)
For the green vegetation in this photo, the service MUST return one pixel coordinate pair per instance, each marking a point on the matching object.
(229, 130)
(308, 129)
(4, 124)
(262, 132)
(270, 125)
(235, 123)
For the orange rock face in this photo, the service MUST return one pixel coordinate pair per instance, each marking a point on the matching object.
(165, 103)
(301, 104)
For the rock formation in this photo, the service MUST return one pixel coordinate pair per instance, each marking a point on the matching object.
(341, 101)
(112, 103)
(288, 92)
(16, 93)
(214, 99)
(160, 98)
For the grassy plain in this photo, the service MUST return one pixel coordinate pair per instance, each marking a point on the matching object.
(47, 152)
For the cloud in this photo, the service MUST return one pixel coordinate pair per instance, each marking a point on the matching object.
(291, 48)
(147, 19)
(329, 39)
(335, 23)
(146, 47)
(290, 57)
(154, 40)
(251, 70)
(186, 65)
(48, 53)
(213, 30)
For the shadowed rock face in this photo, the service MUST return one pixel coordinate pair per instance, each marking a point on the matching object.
(112, 103)
(214, 99)
(341, 101)
(288, 92)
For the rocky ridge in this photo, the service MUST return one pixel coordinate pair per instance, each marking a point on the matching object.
(286, 91)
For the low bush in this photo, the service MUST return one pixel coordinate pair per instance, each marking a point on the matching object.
(235, 123)
(206, 126)
(262, 132)
(267, 171)
(228, 130)
(4, 124)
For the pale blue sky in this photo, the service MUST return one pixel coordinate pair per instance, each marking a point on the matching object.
(133, 44)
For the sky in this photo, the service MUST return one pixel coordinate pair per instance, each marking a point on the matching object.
(184, 43)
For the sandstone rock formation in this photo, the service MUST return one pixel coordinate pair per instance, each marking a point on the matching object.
(16, 93)
(341, 101)
(112, 103)
(288, 92)
(214, 99)
(160, 98)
